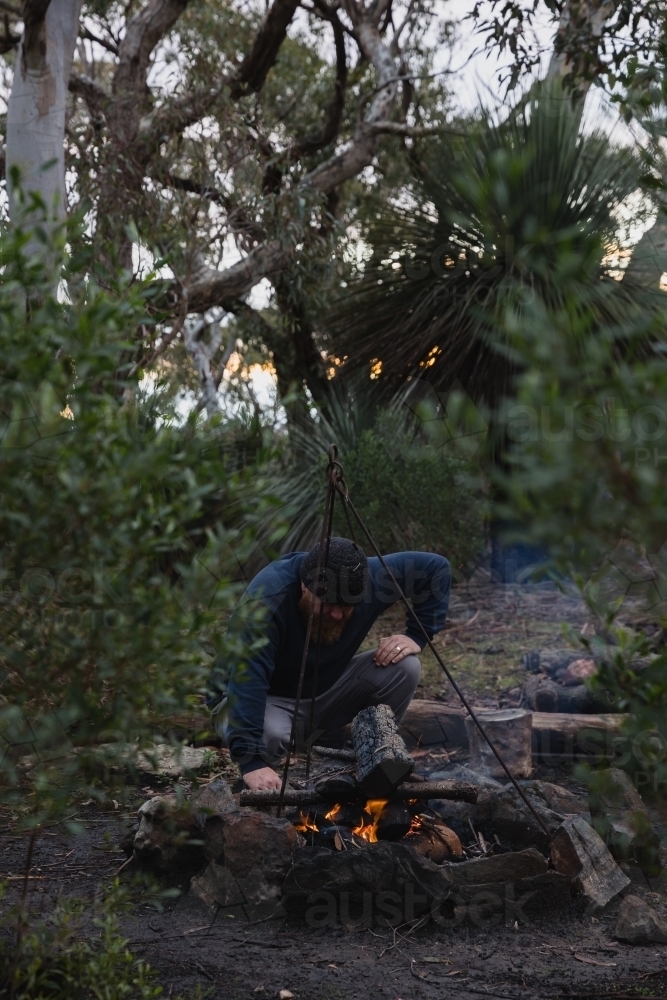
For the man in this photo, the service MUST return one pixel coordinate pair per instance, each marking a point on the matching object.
(259, 688)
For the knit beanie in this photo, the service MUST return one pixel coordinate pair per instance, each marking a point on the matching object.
(343, 579)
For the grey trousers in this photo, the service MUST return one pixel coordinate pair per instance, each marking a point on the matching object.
(363, 683)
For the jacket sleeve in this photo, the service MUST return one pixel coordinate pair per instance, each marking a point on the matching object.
(239, 684)
(425, 580)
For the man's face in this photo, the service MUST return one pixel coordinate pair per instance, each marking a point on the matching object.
(334, 616)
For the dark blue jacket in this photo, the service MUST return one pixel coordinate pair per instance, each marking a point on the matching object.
(268, 621)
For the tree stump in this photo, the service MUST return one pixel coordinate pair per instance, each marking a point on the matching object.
(383, 761)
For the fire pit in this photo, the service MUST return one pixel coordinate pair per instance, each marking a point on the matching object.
(463, 844)
(353, 826)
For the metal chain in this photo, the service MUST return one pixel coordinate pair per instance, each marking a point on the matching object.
(337, 484)
(326, 523)
(341, 488)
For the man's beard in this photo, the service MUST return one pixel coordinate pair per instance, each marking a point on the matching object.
(331, 630)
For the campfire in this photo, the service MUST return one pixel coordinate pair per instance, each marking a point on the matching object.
(349, 825)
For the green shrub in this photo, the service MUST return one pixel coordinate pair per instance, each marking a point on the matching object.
(115, 544)
(78, 953)
(413, 496)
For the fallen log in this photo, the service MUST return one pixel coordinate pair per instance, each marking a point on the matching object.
(557, 736)
(459, 791)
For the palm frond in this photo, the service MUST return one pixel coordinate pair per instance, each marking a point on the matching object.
(522, 200)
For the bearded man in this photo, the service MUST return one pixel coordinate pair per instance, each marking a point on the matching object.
(253, 694)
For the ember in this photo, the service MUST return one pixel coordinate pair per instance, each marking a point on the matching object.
(378, 819)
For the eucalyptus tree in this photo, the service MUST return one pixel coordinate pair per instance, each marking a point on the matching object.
(235, 145)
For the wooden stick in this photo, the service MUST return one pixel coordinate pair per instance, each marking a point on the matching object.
(338, 754)
(459, 791)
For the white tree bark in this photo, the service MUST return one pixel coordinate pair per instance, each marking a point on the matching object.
(588, 18)
(37, 109)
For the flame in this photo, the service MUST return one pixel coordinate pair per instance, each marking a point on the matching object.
(305, 823)
(333, 813)
(368, 831)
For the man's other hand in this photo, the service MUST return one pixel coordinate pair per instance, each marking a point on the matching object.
(264, 779)
(394, 649)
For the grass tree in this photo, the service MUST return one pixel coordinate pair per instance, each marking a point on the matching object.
(500, 205)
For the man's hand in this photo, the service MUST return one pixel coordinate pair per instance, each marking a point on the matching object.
(394, 649)
(264, 779)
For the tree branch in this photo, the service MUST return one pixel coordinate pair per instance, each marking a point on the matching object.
(360, 152)
(142, 33)
(202, 355)
(253, 70)
(219, 287)
(238, 221)
(212, 288)
(250, 76)
(93, 94)
(414, 131)
(8, 41)
(104, 42)
(312, 144)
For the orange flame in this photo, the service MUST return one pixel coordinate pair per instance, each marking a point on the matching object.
(305, 823)
(368, 831)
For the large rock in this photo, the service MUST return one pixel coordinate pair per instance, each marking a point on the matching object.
(170, 763)
(506, 814)
(255, 840)
(379, 868)
(622, 820)
(169, 835)
(161, 762)
(435, 840)
(250, 896)
(460, 812)
(215, 802)
(579, 852)
(173, 832)
(638, 923)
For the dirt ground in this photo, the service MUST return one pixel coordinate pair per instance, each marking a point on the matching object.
(489, 628)
(556, 953)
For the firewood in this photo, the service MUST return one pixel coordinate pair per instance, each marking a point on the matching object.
(460, 791)
(394, 822)
(578, 851)
(383, 761)
(499, 868)
(335, 752)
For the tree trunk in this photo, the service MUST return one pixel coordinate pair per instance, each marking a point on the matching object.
(36, 112)
(649, 258)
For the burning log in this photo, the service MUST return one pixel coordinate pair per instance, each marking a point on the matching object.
(383, 761)
(459, 791)
(394, 822)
